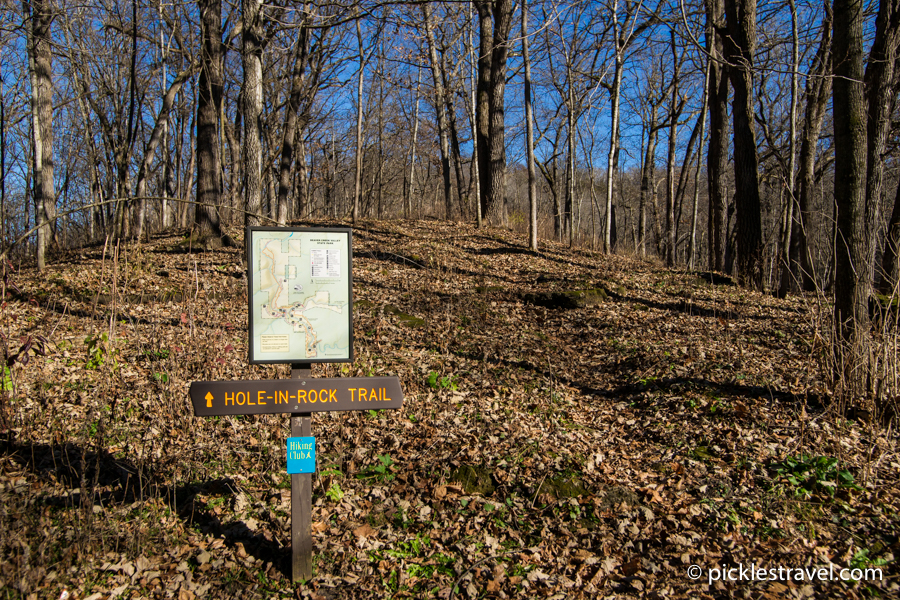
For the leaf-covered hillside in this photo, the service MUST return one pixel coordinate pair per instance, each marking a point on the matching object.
(575, 425)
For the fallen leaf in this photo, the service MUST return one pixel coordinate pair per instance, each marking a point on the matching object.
(364, 531)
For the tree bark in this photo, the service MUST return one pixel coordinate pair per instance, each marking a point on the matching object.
(42, 121)
(675, 107)
(739, 50)
(359, 122)
(252, 102)
(209, 102)
(495, 19)
(692, 248)
(818, 88)
(851, 270)
(569, 210)
(881, 93)
(717, 154)
(529, 136)
(890, 260)
(792, 207)
(613, 154)
(156, 137)
(408, 188)
(440, 109)
(648, 181)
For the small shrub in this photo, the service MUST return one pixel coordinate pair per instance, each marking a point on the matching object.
(808, 475)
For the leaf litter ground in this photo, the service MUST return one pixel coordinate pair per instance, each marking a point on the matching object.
(575, 425)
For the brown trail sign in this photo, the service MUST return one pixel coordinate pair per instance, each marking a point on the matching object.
(213, 398)
(300, 302)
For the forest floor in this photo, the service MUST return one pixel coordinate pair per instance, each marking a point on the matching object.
(672, 427)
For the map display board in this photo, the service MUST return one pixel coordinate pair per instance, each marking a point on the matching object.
(300, 294)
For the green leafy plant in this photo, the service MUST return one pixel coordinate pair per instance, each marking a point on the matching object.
(99, 352)
(6, 381)
(380, 471)
(436, 382)
(808, 475)
(335, 493)
(412, 549)
(862, 560)
(331, 471)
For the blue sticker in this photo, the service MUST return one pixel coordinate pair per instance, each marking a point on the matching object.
(301, 455)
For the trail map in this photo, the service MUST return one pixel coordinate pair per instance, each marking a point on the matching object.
(300, 290)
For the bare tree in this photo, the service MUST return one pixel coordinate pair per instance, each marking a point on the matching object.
(817, 90)
(625, 31)
(740, 44)
(676, 106)
(157, 137)
(851, 270)
(881, 98)
(252, 105)
(791, 207)
(39, 13)
(209, 101)
(529, 135)
(495, 22)
(717, 153)
(440, 109)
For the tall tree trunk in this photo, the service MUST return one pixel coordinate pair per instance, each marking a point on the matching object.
(495, 18)
(303, 171)
(739, 50)
(125, 143)
(717, 155)
(252, 101)
(96, 212)
(305, 76)
(692, 248)
(792, 206)
(440, 109)
(648, 181)
(613, 154)
(569, 211)
(42, 121)
(455, 152)
(529, 136)
(675, 107)
(851, 271)
(890, 260)
(684, 174)
(3, 171)
(209, 102)
(474, 122)
(359, 122)
(881, 93)
(408, 188)
(818, 89)
(156, 138)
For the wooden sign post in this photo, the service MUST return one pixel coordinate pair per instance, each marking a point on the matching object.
(300, 396)
(301, 494)
(300, 301)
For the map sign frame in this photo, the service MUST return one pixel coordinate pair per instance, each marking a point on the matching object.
(320, 250)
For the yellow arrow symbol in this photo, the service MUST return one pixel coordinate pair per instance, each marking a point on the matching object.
(209, 399)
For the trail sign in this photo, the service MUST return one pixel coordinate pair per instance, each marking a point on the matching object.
(300, 311)
(216, 398)
(301, 455)
(300, 294)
